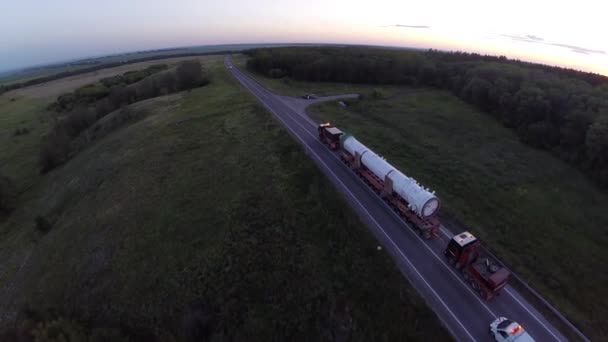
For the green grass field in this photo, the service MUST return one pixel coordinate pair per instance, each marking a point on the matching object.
(19, 154)
(204, 199)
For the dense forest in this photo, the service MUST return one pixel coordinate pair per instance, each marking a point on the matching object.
(561, 110)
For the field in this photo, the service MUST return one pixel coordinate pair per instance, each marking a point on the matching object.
(205, 202)
(32, 73)
(18, 154)
(55, 88)
(542, 216)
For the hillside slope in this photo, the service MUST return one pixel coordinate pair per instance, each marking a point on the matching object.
(204, 204)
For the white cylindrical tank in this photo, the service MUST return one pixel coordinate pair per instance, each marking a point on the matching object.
(421, 201)
(376, 164)
(352, 145)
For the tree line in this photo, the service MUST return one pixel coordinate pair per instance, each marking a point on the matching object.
(17, 85)
(92, 92)
(89, 104)
(561, 110)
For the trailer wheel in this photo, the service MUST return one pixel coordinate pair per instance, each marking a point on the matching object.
(451, 261)
(483, 294)
(474, 285)
(466, 276)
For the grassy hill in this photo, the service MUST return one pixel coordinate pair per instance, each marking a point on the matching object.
(542, 216)
(204, 216)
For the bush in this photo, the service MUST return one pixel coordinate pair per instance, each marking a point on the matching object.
(42, 224)
(54, 149)
(190, 75)
(7, 195)
(21, 131)
(377, 94)
(276, 73)
(108, 86)
(77, 121)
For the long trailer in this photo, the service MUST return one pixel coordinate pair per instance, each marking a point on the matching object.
(418, 206)
(394, 187)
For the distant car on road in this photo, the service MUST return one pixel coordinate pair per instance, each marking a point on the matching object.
(506, 330)
(230, 67)
(309, 96)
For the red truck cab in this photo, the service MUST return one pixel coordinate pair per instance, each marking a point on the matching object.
(483, 271)
(330, 135)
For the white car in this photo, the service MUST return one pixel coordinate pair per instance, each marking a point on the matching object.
(506, 330)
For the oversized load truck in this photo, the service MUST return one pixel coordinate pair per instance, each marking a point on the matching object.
(411, 201)
(330, 135)
(418, 206)
(485, 274)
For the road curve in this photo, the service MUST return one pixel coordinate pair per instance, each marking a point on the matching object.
(460, 309)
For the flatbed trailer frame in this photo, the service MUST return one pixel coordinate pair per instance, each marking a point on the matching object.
(428, 228)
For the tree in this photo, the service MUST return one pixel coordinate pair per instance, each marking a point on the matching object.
(54, 150)
(597, 140)
(190, 74)
(145, 89)
(118, 96)
(7, 195)
(167, 82)
(573, 130)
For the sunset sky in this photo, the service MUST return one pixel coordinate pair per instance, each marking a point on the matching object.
(554, 32)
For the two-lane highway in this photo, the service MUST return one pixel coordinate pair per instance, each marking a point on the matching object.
(460, 308)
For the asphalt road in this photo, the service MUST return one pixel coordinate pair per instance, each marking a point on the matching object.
(460, 309)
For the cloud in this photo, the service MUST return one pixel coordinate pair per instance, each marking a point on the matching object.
(527, 38)
(409, 26)
(538, 40)
(579, 49)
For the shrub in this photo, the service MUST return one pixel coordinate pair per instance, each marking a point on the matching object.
(276, 73)
(91, 92)
(7, 195)
(21, 131)
(190, 75)
(168, 82)
(54, 149)
(377, 94)
(59, 330)
(42, 224)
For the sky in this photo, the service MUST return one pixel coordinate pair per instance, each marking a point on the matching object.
(564, 33)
